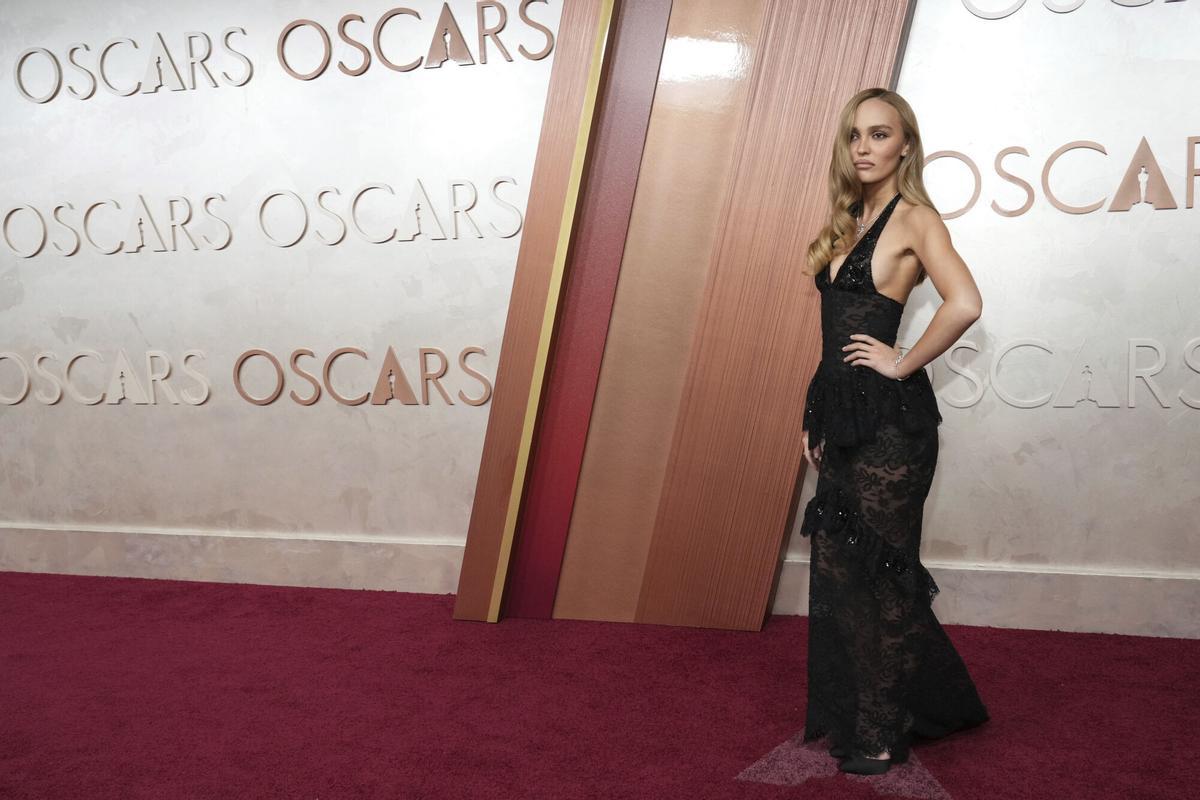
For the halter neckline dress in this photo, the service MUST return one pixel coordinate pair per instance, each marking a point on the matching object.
(881, 670)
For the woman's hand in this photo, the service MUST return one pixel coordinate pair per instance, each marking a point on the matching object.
(814, 455)
(868, 351)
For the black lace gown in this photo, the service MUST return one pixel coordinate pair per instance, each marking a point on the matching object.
(881, 670)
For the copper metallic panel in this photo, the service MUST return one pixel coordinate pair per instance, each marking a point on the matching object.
(553, 190)
(732, 474)
(686, 169)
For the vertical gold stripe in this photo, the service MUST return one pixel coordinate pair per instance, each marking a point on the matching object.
(551, 311)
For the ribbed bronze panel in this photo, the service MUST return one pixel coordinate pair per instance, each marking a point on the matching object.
(736, 455)
(558, 153)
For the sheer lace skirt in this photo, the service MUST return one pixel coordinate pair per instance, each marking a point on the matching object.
(880, 667)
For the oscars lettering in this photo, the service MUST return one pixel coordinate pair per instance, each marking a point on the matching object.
(88, 377)
(282, 218)
(124, 66)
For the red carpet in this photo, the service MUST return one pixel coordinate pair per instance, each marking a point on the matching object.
(123, 689)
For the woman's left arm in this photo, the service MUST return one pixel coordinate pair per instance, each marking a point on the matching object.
(961, 306)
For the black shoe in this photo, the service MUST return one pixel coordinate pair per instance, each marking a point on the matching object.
(861, 765)
(837, 751)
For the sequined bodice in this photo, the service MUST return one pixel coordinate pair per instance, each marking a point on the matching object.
(851, 303)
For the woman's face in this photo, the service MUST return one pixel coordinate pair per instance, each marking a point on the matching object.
(876, 140)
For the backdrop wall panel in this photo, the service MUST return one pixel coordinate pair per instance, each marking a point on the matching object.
(374, 494)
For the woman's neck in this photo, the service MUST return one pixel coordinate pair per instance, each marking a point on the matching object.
(876, 197)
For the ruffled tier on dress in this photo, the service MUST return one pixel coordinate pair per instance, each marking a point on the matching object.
(833, 511)
(846, 405)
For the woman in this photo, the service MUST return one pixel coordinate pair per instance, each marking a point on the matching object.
(881, 669)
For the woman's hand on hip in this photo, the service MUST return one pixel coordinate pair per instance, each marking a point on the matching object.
(867, 351)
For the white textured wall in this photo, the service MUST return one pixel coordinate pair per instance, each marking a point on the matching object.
(75, 479)
(1076, 515)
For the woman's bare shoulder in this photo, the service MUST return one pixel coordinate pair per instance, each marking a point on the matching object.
(920, 222)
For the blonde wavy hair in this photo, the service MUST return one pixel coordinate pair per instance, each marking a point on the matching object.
(845, 189)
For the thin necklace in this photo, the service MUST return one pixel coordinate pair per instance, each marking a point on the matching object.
(863, 225)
